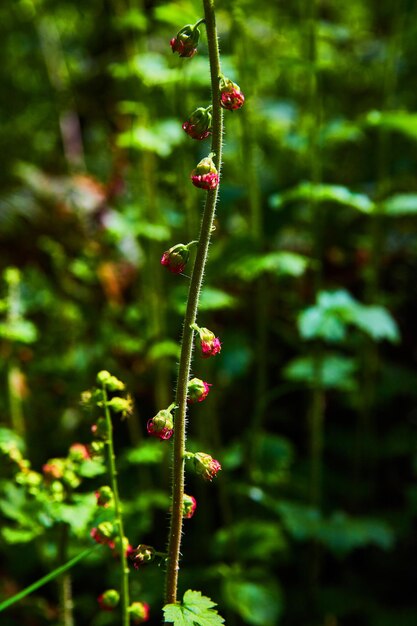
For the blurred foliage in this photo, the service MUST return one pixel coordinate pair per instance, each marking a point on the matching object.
(310, 285)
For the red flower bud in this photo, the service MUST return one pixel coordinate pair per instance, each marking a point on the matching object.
(104, 534)
(231, 97)
(108, 600)
(189, 506)
(205, 174)
(186, 41)
(162, 425)
(104, 496)
(139, 611)
(210, 344)
(79, 452)
(175, 259)
(197, 390)
(206, 466)
(54, 469)
(198, 126)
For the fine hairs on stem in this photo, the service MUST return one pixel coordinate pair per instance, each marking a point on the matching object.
(175, 532)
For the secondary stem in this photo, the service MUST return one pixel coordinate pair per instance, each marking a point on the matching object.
(124, 570)
(191, 314)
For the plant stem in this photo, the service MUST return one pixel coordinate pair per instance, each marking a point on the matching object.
(191, 314)
(124, 570)
(66, 604)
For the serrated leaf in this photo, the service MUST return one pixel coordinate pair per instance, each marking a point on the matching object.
(195, 610)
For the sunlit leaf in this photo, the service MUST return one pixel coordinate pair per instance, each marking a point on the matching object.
(277, 263)
(399, 121)
(337, 194)
(400, 204)
(258, 603)
(332, 371)
(195, 610)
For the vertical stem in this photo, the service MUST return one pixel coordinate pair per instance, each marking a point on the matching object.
(124, 570)
(174, 542)
(64, 581)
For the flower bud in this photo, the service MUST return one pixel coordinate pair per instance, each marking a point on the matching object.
(162, 425)
(175, 259)
(97, 449)
(189, 506)
(109, 599)
(231, 97)
(206, 466)
(198, 126)
(103, 377)
(78, 452)
(104, 496)
(209, 343)
(197, 390)
(139, 612)
(141, 555)
(53, 469)
(115, 546)
(186, 41)
(120, 405)
(205, 175)
(104, 533)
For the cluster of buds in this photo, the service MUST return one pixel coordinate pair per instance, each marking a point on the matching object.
(186, 41)
(205, 175)
(231, 97)
(197, 390)
(162, 425)
(108, 600)
(198, 125)
(176, 258)
(189, 506)
(106, 534)
(210, 344)
(78, 452)
(204, 464)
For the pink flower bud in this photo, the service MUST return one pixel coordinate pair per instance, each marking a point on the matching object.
(197, 390)
(104, 534)
(206, 466)
(231, 97)
(205, 174)
(210, 344)
(186, 41)
(175, 259)
(108, 600)
(189, 506)
(141, 555)
(198, 126)
(79, 452)
(54, 469)
(139, 612)
(162, 425)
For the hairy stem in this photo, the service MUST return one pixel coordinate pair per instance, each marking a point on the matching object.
(124, 570)
(174, 543)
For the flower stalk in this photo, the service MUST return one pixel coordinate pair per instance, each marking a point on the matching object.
(206, 228)
(124, 570)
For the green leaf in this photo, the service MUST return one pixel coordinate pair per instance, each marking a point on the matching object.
(195, 610)
(399, 121)
(18, 330)
(400, 204)
(20, 535)
(211, 299)
(335, 371)
(160, 138)
(146, 452)
(338, 194)
(377, 322)
(257, 603)
(91, 468)
(278, 263)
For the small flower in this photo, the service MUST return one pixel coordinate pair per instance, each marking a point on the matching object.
(104, 496)
(108, 600)
(205, 175)
(186, 41)
(121, 405)
(79, 452)
(197, 390)
(206, 466)
(109, 382)
(139, 611)
(175, 259)
(231, 97)
(209, 343)
(141, 555)
(189, 506)
(104, 534)
(198, 126)
(162, 425)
